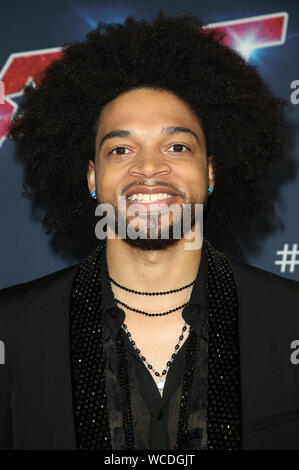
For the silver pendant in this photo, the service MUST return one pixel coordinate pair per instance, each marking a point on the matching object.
(160, 385)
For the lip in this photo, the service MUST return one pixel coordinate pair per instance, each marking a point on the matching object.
(150, 190)
(154, 205)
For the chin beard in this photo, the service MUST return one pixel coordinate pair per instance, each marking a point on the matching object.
(144, 241)
(155, 244)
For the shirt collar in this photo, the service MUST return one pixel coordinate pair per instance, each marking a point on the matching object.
(114, 316)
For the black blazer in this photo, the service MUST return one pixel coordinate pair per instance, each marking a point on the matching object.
(36, 407)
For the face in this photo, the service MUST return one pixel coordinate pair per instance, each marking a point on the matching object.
(159, 148)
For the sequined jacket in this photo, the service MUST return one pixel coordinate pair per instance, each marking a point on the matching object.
(37, 387)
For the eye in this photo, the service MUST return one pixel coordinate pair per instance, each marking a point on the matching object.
(116, 148)
(125, 148)
(179, 145)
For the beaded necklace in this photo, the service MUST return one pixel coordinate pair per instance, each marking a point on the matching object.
(161, 383)
(148, 293)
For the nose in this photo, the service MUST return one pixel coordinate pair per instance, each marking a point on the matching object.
(148, 164)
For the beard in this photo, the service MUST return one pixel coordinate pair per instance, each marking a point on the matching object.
(167, 232)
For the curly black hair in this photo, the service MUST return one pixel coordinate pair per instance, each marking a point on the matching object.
(56, 124)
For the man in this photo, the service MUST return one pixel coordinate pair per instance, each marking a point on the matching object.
(147, 344)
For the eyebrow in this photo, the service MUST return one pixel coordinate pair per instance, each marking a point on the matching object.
(172, 130)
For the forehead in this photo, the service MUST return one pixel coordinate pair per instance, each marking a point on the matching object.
(146, 110)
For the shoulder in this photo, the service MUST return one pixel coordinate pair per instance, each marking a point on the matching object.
(263, 294)
(262, 279)
(268, 333)
(35, 294)
(24, 290)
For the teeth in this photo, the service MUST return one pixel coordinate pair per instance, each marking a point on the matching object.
(149, 197)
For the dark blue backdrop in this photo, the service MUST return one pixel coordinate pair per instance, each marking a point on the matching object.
(34, 25)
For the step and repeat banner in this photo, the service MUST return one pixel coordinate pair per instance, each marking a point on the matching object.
(265, 33)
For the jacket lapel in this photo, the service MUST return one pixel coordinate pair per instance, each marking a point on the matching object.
(87, 362)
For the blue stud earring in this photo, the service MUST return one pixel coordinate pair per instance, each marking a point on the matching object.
(210, 189)
(93, 193)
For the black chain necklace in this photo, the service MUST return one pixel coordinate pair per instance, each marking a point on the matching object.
(151, 314)
(161, 382)
(149, 293)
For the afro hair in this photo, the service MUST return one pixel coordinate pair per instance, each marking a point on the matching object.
(55, 126)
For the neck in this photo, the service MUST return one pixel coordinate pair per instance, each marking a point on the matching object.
(158, 270)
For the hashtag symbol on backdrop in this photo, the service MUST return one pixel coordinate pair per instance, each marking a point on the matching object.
(285, 260)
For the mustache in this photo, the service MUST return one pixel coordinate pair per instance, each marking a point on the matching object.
(156, 183)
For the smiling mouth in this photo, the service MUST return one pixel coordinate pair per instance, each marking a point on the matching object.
(152, 202)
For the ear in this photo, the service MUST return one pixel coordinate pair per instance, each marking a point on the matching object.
(91, 180)
(211, 172)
